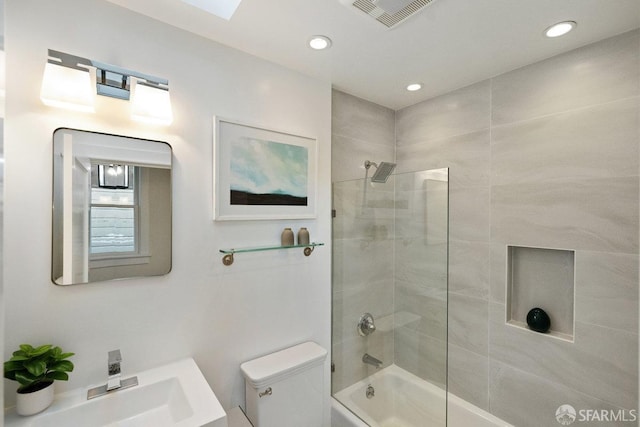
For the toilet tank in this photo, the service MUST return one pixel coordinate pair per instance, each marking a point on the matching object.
(285, 388)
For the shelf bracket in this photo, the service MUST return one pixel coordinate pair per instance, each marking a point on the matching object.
(228, 259)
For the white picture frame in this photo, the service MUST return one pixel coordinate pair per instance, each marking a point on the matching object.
(262, 174)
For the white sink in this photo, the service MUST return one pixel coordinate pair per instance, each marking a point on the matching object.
(172, 395)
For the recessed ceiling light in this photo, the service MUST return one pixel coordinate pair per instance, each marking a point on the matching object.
(560, 29)
(319, 42)
(414, 87)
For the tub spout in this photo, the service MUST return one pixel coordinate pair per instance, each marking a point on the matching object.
(370, 360)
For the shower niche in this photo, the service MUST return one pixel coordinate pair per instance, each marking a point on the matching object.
(543, 278)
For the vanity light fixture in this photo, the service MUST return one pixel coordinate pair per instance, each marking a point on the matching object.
(113, 176)
(67, 83)
(319, 42)
(560, 29)
(414, 87)
(72, 82)
(150, 103)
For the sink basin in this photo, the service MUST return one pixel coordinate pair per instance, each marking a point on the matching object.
(172, 395)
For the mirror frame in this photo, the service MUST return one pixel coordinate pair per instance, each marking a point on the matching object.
(54, 217)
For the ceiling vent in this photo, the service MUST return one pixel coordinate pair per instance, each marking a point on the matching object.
(390, 12)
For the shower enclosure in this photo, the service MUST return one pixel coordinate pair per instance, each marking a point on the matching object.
(390, 247)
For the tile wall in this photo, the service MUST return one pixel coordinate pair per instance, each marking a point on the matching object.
(543, 156)
(363, 233)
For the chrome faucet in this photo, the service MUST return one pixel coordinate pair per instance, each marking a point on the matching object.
(370, 360)
(114, 370)
(113, 383)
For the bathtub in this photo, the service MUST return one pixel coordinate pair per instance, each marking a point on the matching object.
(404, 400)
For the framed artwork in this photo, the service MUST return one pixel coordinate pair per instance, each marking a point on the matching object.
(262, 174)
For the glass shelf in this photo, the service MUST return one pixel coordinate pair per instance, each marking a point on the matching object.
(227, 259)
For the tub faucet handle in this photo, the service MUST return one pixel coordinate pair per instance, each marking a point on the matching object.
(366, 325)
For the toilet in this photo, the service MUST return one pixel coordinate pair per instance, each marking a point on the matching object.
(285, 388)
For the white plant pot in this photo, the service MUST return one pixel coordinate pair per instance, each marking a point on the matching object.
(37, 401)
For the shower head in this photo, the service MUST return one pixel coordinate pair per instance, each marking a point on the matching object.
(383, 170)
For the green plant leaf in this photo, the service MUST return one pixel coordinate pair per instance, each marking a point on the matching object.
(32, 366)
(16, 358)
(57, 375)
(41, 350)
(63, 366)
(65, 356)
(26, 348)
(25, 378)
(36, 367)
(13, 366)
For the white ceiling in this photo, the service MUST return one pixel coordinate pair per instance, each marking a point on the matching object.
(447, 45)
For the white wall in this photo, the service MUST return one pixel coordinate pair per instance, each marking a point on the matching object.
(220, 315)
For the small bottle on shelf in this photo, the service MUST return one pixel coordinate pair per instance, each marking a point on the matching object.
(287, 237)
(303, 236)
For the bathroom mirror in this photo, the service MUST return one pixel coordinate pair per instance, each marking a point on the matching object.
(111, 207)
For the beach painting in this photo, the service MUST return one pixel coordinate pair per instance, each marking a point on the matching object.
(262, 174)
(268, 173)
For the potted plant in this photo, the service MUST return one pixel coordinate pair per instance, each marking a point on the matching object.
(36, 368)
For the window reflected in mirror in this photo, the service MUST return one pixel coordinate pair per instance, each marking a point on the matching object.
(112, 207)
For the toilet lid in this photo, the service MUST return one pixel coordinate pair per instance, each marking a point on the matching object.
(282, 364)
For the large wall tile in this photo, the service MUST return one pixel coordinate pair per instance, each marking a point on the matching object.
(590, 214)
(527, 400)
(429, 312)
(421, 355)
(602, 362)
(355, 218)
(362, 120)
(421, 215)
(498, 274)
(424, 266)
(470, 214)
(468, 323)
(348, 367)
(595, 142)
(595, 74)
(469, 268)
(348, 156)
(456, 113)
(467, 157)
(373, 297)
(468, 376)
(607, 290)
(358, 262)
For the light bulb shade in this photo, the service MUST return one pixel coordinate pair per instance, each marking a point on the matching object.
(151, 104)
(68, 88)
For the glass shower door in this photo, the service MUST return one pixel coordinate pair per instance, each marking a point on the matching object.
(390, 258)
